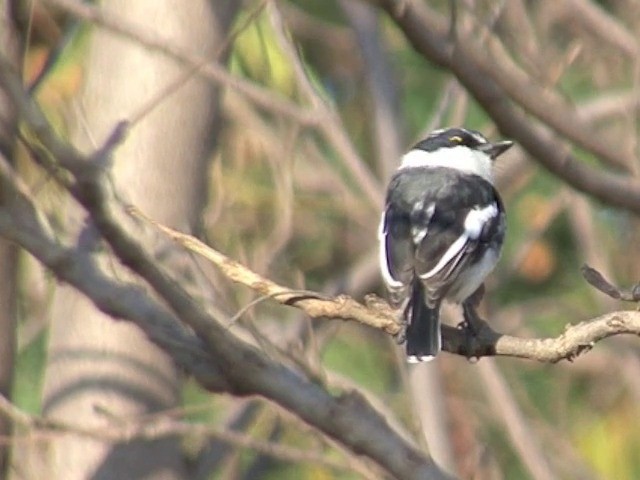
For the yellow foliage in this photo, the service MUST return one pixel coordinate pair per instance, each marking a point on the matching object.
(611, 442)
(258, 55)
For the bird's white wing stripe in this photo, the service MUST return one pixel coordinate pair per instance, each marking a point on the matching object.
(477, 218)
(451, 252)
(473, 225)
(384, 260)
(419, 232)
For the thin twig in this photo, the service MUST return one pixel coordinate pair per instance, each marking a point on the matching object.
(506, 408)
(128, 431)
(427, 33)
(329, 122)
(596, 280)
(192, 70)
(265, 99)
(314, 304)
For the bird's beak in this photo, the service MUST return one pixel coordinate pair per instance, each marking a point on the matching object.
(496, 149)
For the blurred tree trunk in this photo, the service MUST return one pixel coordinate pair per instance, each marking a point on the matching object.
(161, 167)
(10, 48)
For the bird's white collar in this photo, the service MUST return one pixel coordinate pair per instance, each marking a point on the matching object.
(459, 158)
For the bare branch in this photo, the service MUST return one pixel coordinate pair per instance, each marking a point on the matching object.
(596, 279)
(516, 425)
(329, 122)
(378, 314)
(347, 417)
(381, 82)
(603, 25)
(22, 223)
(313, 304)
(160, 427)
(577, 339)
(320, 115)
(262, 97)
(427, 33)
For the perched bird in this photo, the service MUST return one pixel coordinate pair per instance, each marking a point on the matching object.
(441, 230)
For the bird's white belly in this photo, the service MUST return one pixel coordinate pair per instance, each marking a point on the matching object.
(471, 278)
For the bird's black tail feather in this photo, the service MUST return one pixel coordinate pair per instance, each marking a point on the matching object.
(423, 327)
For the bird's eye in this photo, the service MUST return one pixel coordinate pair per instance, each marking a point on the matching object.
(455, 139)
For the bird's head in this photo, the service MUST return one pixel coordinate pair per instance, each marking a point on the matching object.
(458, 148)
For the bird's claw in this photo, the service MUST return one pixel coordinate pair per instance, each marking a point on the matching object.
(471, 326)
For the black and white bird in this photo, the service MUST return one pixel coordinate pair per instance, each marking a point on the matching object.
(441, 231)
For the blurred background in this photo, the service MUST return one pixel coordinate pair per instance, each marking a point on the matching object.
(316, 102)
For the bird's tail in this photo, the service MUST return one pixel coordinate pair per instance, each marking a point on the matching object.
(423, 327)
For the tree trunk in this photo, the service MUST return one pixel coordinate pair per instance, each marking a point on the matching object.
(9, 48)
(161, 168)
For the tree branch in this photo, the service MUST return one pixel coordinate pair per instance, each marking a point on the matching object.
(596, 280)
(22, 223)
(163, 426)
(321, 116)
(240, 368)
(313, 304)
(378, 314)
(91, 189)
(428, 34)
(207, 68)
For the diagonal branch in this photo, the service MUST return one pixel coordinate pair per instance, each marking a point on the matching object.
(313, 304)
(241, 369)
(378, 314)
(321, 116)
(211, 70)
(598, 281)
(164, 426)
(429, 35)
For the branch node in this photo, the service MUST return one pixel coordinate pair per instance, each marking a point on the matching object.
(579, 350)
(615, 322)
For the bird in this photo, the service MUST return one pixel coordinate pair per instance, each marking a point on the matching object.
(441, 231)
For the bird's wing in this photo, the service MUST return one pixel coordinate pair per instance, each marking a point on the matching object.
(430, 230)
(442, 255)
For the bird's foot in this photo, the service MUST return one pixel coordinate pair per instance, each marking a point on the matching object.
(471, 326)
